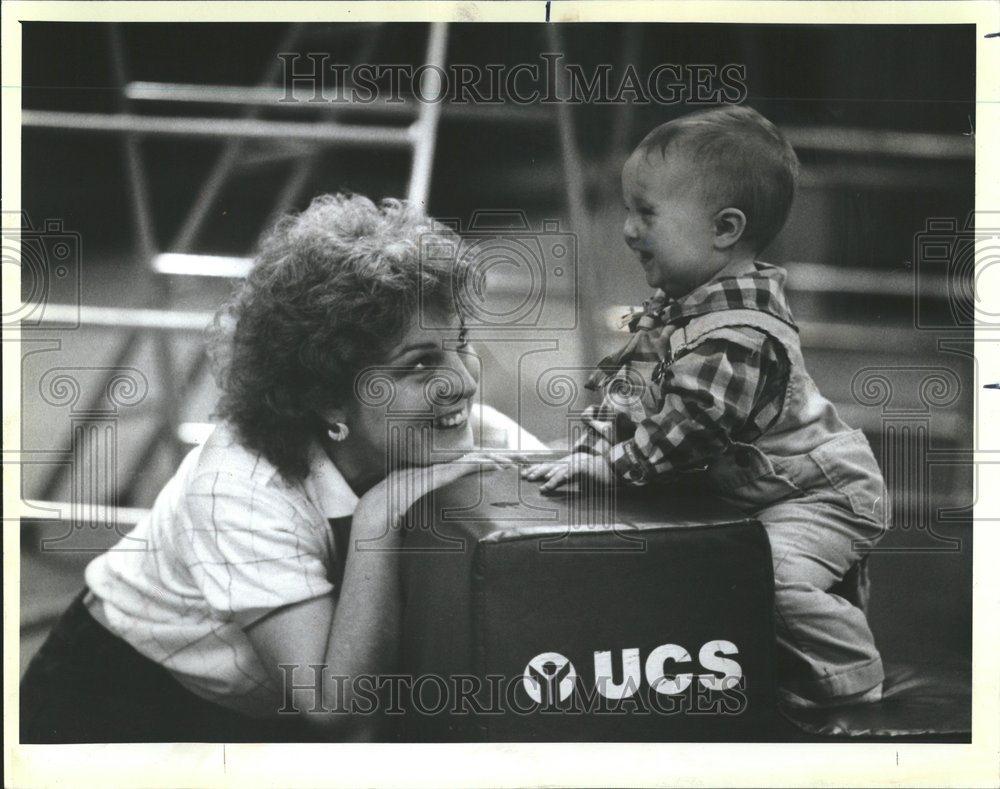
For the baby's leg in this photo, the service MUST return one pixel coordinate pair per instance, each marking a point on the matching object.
(827, 653)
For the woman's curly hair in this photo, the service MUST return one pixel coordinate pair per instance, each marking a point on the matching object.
(330, 291)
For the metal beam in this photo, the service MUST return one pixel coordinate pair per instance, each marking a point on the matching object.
(100, 513)
(125, 318)
(324, 133)
(802, 278)
(230, 156)
(880, 142)
(188, 265)
(820, 278)
(268, 97)
(887, 142)
(425, 128)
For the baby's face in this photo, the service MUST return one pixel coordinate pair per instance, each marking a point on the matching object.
(669, 225)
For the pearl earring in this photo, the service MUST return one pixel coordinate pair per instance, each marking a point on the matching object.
(338, 432)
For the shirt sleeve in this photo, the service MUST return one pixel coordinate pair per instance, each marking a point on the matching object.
(708, 394)
(249, 549)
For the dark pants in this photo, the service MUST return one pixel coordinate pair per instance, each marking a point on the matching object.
(87, 685)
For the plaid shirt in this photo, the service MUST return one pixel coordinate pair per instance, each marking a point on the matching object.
(713, 393)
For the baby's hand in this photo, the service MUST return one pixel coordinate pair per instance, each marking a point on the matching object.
(577, 464)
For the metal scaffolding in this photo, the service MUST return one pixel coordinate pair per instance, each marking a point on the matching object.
(419, 137)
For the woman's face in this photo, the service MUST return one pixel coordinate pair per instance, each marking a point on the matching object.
(412, 408)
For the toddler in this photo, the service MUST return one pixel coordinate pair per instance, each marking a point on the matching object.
(725, 393)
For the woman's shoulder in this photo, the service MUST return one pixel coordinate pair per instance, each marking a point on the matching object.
(224, 452)
(223, 461)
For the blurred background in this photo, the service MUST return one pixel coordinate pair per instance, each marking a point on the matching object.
(153, 156)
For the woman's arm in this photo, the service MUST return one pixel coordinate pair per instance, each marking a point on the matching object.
(348, 638)
(356, 635)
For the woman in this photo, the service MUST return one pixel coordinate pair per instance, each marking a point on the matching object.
(337, 400)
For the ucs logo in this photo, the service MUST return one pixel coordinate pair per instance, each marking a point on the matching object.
(550, 677)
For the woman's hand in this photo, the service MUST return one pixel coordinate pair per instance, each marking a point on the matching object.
(557, 473)
(382, 507)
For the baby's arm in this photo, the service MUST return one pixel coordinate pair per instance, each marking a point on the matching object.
(709, 394)
(557, 473)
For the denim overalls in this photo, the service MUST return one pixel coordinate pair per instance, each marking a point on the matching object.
(814, 484)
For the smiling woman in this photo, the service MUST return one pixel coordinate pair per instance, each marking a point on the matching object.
(333, 326)
(341, 407)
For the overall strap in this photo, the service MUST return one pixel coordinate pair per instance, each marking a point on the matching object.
(694, 331)
(726, 322)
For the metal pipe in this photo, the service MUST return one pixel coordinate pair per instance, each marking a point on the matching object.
(252, 95)
(188, 265)
(102, 513)
(820, 278)
(831, 139)
(192, 224)
(880, 142)
(142, 213)
(575, 181)
(145, 238)
(305, 164)
(125, 318)
(802, 278)
(425, 128)
(229, 158)
(621, 132)
(166, 431)
(147, 243)
(220, 128)
(271, 98)
(51, 482)
(572, 164)
(302, 170)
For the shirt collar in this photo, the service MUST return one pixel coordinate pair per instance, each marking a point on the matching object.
(762, 289)
(326, 487)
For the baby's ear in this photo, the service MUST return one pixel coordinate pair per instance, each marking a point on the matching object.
(730, 223)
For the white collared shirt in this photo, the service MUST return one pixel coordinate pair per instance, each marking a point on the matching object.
(227, 541)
